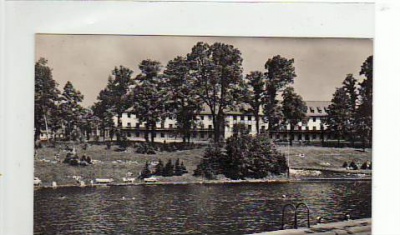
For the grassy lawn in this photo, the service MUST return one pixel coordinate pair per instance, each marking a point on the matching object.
(113, 164)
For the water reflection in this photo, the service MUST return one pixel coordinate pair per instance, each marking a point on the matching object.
(192, 209)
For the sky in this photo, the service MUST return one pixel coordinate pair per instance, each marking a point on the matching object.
(321, 64)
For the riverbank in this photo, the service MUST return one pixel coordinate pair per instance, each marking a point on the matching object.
(111, 164)
(355, 227)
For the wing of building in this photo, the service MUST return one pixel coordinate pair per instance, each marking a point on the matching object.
(312, 128)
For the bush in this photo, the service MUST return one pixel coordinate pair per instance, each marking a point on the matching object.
(245, 157)
(145, 148)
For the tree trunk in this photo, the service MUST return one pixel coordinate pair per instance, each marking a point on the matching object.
(257, 123)
(153, 131)
(291, 135)
(146, 133)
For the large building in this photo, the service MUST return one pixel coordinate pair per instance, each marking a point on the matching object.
(310, 129)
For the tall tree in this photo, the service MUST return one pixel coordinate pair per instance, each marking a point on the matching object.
(338, 113)
(350, 86)
(113, 100)
(185, 104)
(294, 109)
(280, 73)
(149, 97)
(46, 97)
(253, 94)
(71, 110)
(217, 71)
(364, 114)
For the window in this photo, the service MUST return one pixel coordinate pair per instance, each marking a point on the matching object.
(249, 126)
(314, 119)
(129, 115)
(162, 125)
(137, 134)
(170, 126)
(314, 128)
(278, 136)
(210, 117)
(242, 118)
(137, 125)
(234, 118)
(307, 128)
(129, 124)
(202, 118)
(311, 109)
(209, 127)
(129, 134)
(162, 135)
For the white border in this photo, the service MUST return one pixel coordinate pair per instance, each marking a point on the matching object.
(23, 19)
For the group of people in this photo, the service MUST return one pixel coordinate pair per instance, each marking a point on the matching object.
(367, 165)
(74, 160)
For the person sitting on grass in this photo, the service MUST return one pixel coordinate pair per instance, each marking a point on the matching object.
(353, 166)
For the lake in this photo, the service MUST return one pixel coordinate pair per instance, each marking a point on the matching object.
(193, 209)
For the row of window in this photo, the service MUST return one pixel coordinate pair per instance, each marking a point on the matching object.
(235, 118)
(210, 135)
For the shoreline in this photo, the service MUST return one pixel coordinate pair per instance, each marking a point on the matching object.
(357, 226)
(208, 182)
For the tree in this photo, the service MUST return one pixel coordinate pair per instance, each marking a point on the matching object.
(364, 113)
(149, 97)
(338, 113)
(349, 85)
(293, 108)
(145, 173)
(168, 169)
(112, 101)
(185, 104)
(71, 110)
(253, 94)
(159, 168)
(46, 97)
(280, 73)
(217, 72)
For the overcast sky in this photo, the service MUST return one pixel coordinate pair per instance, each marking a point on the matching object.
(87, 60)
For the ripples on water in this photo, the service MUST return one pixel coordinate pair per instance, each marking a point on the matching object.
(192, 209)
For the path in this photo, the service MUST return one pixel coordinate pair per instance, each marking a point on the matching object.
(355, 227)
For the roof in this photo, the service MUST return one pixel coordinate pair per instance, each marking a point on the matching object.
(314, 108)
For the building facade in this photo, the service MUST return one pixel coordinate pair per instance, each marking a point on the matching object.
(310, 129)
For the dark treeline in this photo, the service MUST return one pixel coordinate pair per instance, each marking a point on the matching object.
(209, 75)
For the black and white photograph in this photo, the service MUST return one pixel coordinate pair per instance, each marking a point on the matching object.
(144, 134)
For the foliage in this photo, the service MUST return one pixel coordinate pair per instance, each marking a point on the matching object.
(338, 112)
(149, 98)
(253, 93)
(184, 103)
(280, 73)
(159, 168)
(245, 157)
(145, 173)
(168, 169)
(293, 108)
(46, 98)
(364, 112)
(217, 73)
(113, 100)
(71, 110)
(145, 148)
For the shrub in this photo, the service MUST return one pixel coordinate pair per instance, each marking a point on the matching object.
(245, 157)
(145, 148)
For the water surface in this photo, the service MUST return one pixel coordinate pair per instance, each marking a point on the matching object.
(193, 209)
